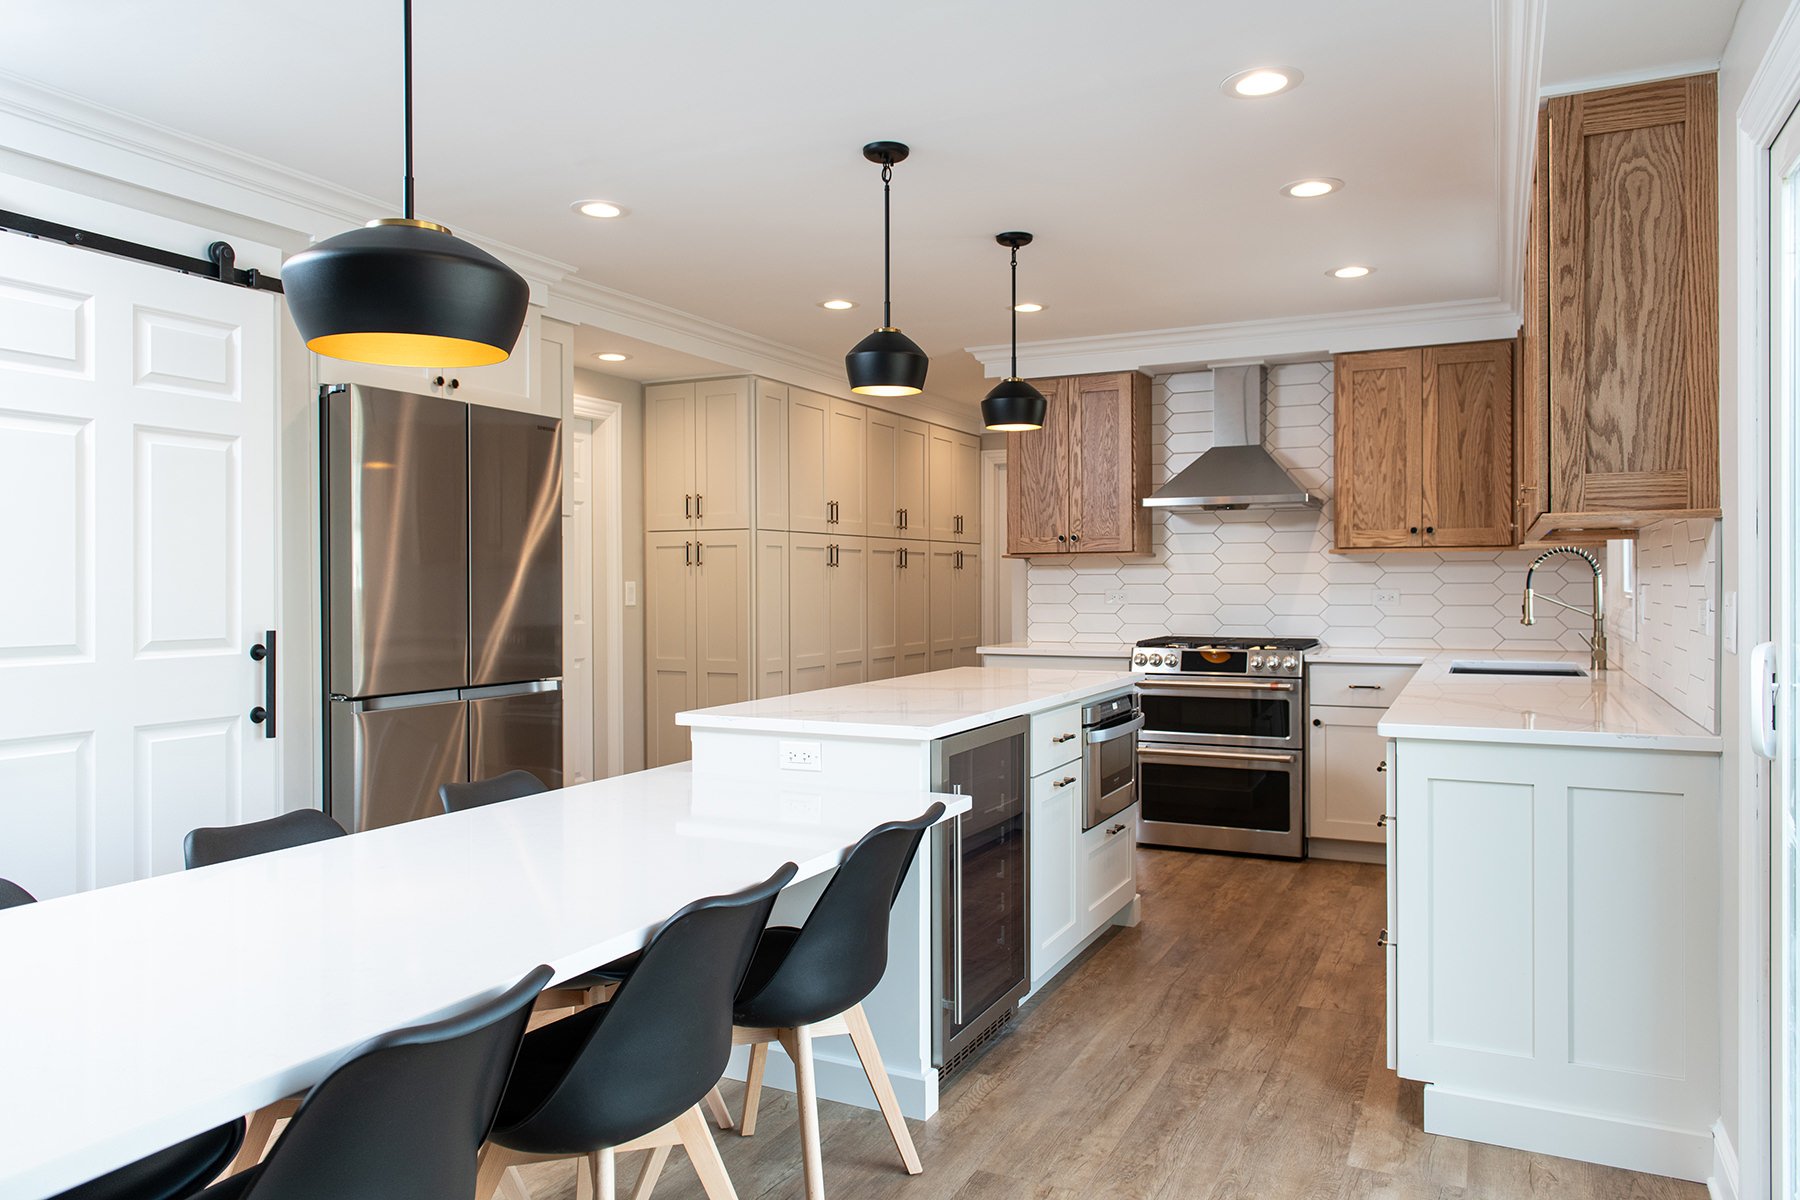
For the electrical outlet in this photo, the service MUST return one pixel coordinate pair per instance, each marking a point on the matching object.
(1386, 598)
(1115, 599)
(800, 756)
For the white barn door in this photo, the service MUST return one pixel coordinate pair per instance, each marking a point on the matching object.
(137, 553)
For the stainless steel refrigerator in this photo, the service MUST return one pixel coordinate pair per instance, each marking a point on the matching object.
(443, 598)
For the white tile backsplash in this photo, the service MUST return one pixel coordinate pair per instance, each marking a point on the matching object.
(1664, 635)
(1273, 572)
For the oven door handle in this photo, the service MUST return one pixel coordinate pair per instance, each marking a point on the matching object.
(1156, 751)
(1150, 686)
(1112, 733)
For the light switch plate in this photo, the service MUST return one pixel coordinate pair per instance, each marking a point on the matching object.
(1385, 598)
(800, 756)
(631, 593)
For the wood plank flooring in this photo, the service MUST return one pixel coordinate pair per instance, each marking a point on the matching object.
(1231, 1046)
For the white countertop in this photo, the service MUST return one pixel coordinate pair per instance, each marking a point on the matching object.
(140, 1014)
(1610, 710)
(915, 708)
(1108, 650)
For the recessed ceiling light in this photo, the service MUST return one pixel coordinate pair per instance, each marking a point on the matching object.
(1307, 189)
(837, 305)
(1350, 272)
(612, 356)
(1028, 306)
(1258, 82)
(600, 210)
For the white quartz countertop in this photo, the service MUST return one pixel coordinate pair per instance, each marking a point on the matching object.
(1609, 710)
(916, 708)
(141, 1014)
(1106, 650)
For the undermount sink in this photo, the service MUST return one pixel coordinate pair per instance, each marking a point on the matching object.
(1516, 667)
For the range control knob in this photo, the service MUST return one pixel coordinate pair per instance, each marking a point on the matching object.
(1140, 658)
(1255, 662)
(1289, 663)
(1156, 660)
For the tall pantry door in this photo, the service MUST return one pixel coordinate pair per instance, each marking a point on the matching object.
(137, 463)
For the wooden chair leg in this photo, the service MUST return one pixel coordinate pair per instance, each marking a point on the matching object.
(490, 1167)
(605, 1166)
(863, 1038)
(653, 1167)
(715, 1104)
(798, 1044)
(759, 1058)
(260, 1133)
(703, 1152)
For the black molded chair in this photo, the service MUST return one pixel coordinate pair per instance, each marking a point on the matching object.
(629, 1074)
(209, 845)
(402, 1116)
(223, 843)
(170, 1174)
(810, 982)
(459, 796)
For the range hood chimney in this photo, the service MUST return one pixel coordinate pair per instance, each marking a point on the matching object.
(1237, 472)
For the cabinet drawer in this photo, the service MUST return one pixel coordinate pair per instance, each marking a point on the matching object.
(1108, 868)
(1065, 780)
(1055, 738)
(1349, 686)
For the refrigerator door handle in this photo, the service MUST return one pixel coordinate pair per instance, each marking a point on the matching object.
(522, 688)
(264, 713)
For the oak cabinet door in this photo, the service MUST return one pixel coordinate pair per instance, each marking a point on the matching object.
(1038, 480)
(1103, 474)
(1467, 397)
(669, 456)
(1379, 450)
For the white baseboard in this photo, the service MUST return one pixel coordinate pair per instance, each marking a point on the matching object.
(840, 1077)
(1722, 1181)
(1589, 1137)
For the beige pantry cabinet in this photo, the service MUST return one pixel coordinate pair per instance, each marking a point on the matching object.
(898, 607)
(697, 439)
(899, 449)
(827, 452)
(828, 628)
(697, 631)
(954, 479)
(954, 616)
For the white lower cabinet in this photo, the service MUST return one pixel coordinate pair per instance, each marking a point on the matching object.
(697, 635)
(1056, 909)
(771, 554)
(955, 602)
(827, 611)
(1344, 788)
(1554, 930)
(898, 607)
(1108, 869)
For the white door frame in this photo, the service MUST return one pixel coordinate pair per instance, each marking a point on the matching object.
(608, 584)
(1003, 581)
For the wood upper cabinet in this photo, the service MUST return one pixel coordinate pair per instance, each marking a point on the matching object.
(1424, 447)
(1077, 485)
(1628, 246)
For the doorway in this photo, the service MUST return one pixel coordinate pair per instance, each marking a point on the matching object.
(1004, 581)
(594, 565)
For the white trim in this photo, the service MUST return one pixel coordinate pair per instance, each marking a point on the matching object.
(1160, 351)
(1599, 83)
(607, 498)
(1590, 1137)
(1518, 62)
(1722, 1180)
(998, 576)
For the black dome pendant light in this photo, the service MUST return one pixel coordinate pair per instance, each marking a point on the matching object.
(1014, 406)
(887, 362)
(404, 292)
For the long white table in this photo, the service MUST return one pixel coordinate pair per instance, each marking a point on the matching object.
(134, 1016)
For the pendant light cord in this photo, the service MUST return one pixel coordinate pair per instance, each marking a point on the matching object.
(406, 78)
(887, 252)
(1015, 312)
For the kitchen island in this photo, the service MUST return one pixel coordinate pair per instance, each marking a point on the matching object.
(1040, 887)
(1552, 924)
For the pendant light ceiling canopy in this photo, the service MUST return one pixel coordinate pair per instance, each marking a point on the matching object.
(404, 292)
(1014, 406)
(887, 362)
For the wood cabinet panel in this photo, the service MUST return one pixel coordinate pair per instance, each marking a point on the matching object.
(1108, 463)
(1038, 478)
(1379, 449)
(1466, 468)
(1631, 264)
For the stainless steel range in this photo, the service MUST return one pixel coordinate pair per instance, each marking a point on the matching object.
(1222, 755)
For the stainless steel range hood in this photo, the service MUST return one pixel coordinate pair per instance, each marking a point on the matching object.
(1237, 472)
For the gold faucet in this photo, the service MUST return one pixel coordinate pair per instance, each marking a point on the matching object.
(1597, 642)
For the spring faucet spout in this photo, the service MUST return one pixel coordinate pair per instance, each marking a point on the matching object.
(1597, 642)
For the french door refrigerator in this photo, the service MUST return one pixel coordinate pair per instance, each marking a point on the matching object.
(443, 597)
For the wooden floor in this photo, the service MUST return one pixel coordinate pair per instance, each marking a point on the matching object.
(1230, 1046)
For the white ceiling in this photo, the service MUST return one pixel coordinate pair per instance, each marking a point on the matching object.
(733, 136)
(648, 360)
(1590, 41)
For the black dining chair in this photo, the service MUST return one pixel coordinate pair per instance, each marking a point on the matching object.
(223, 843)
(402, 1116)
(210, 845)
(629, 1074)
(810, 982)
(481, 792)
(170, 1174)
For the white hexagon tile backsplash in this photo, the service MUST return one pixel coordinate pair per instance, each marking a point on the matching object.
(1273, 572)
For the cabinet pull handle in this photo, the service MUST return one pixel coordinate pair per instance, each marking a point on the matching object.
(699, 553)
(699, 507)
(1383, 821)
(1382, 940)
(1060, 738)
(1431, 529)
(1116, 830)
(1381, 766)
(1363, 687)
(1061, 538)
(1074, 537)
(438, 382)
(1317, 722)
(687, 506)
(1412, 529)
(455, 383)
(687, 553)
(1064, 782)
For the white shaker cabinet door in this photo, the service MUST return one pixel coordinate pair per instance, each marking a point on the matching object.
(847, 581)
(669, 433)
(722, 454)
(912, 608)
(809, 612)
(941, 584)
(669, 650)
(809, 452)
(1056, 909)
(722, 631)
(883, 608)
(967, 607)
(771, 555)
(846, 469)
(1345, 792)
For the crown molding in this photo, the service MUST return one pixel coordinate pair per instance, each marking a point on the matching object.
(1518, 67)
(60, 127)
(1163, 350)
(581, 301)
(1599, 83)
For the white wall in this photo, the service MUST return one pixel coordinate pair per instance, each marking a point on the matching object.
(629, 395)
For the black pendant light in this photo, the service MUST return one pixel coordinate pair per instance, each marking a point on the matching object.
(887, 362)
(402, 291)
(1014, 406)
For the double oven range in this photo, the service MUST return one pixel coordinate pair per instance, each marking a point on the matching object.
(1222, 753)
